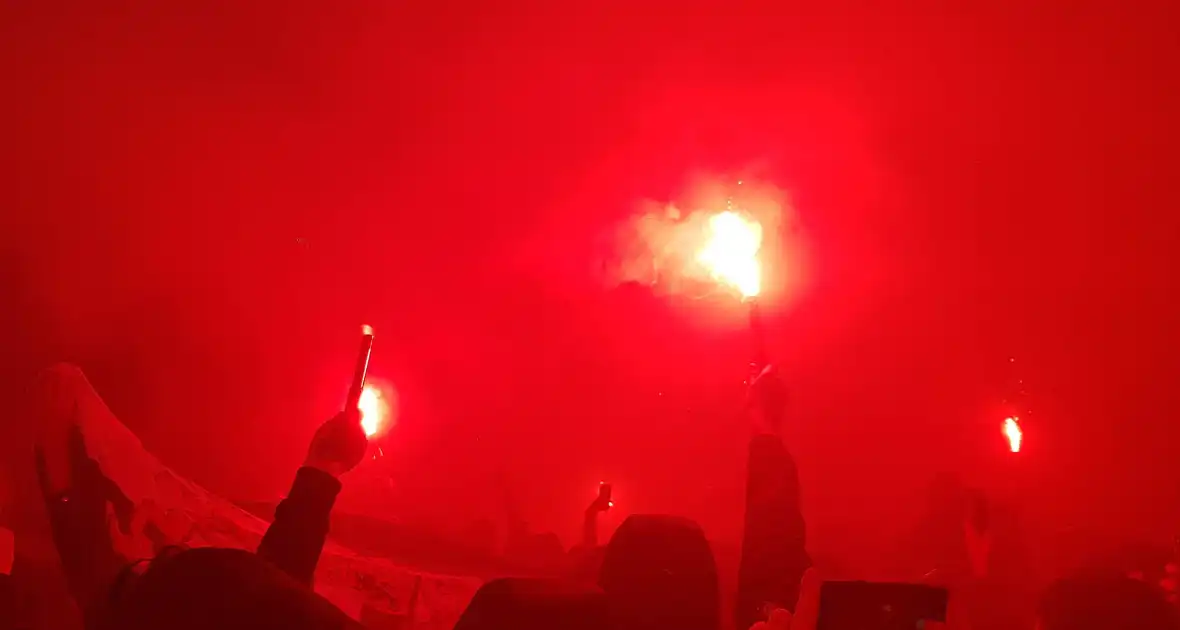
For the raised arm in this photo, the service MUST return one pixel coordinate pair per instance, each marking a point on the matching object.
(600, 504)
(590, 528)
(774, 555)
(295, 539)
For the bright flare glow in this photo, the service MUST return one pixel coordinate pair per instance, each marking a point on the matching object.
(731, 252)
(372, 410)
(1013, 433)
(366, 329)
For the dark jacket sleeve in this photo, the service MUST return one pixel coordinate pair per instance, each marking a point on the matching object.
(774, 555)
(296, 537)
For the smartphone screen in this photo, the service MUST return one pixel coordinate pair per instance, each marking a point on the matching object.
(879, 606)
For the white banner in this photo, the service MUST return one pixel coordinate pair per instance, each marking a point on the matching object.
(173, 510)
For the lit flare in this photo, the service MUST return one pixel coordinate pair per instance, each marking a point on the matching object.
(730, 252)
(1013, 432)
(372, 409)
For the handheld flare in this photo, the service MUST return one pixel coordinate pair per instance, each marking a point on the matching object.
(1013, 433)
(362, 368)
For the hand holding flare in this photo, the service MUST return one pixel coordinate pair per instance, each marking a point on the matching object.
(366, 398)
(338, 445)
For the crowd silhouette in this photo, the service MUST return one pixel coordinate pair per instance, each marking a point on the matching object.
(657, 572)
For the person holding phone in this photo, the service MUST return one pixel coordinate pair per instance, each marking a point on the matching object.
(585, 558)
(601, 504)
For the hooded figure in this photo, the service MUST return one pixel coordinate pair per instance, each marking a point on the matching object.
(658, 572)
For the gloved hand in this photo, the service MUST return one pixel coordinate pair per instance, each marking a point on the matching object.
(338, 445)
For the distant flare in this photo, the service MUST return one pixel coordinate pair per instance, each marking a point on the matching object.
(731, 252)
(1013, 432)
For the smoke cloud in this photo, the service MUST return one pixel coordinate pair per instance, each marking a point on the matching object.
(657, 245)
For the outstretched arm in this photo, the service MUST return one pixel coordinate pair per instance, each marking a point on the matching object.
(585, 559)
(774, 556)
(590, 528)
(295, 539)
